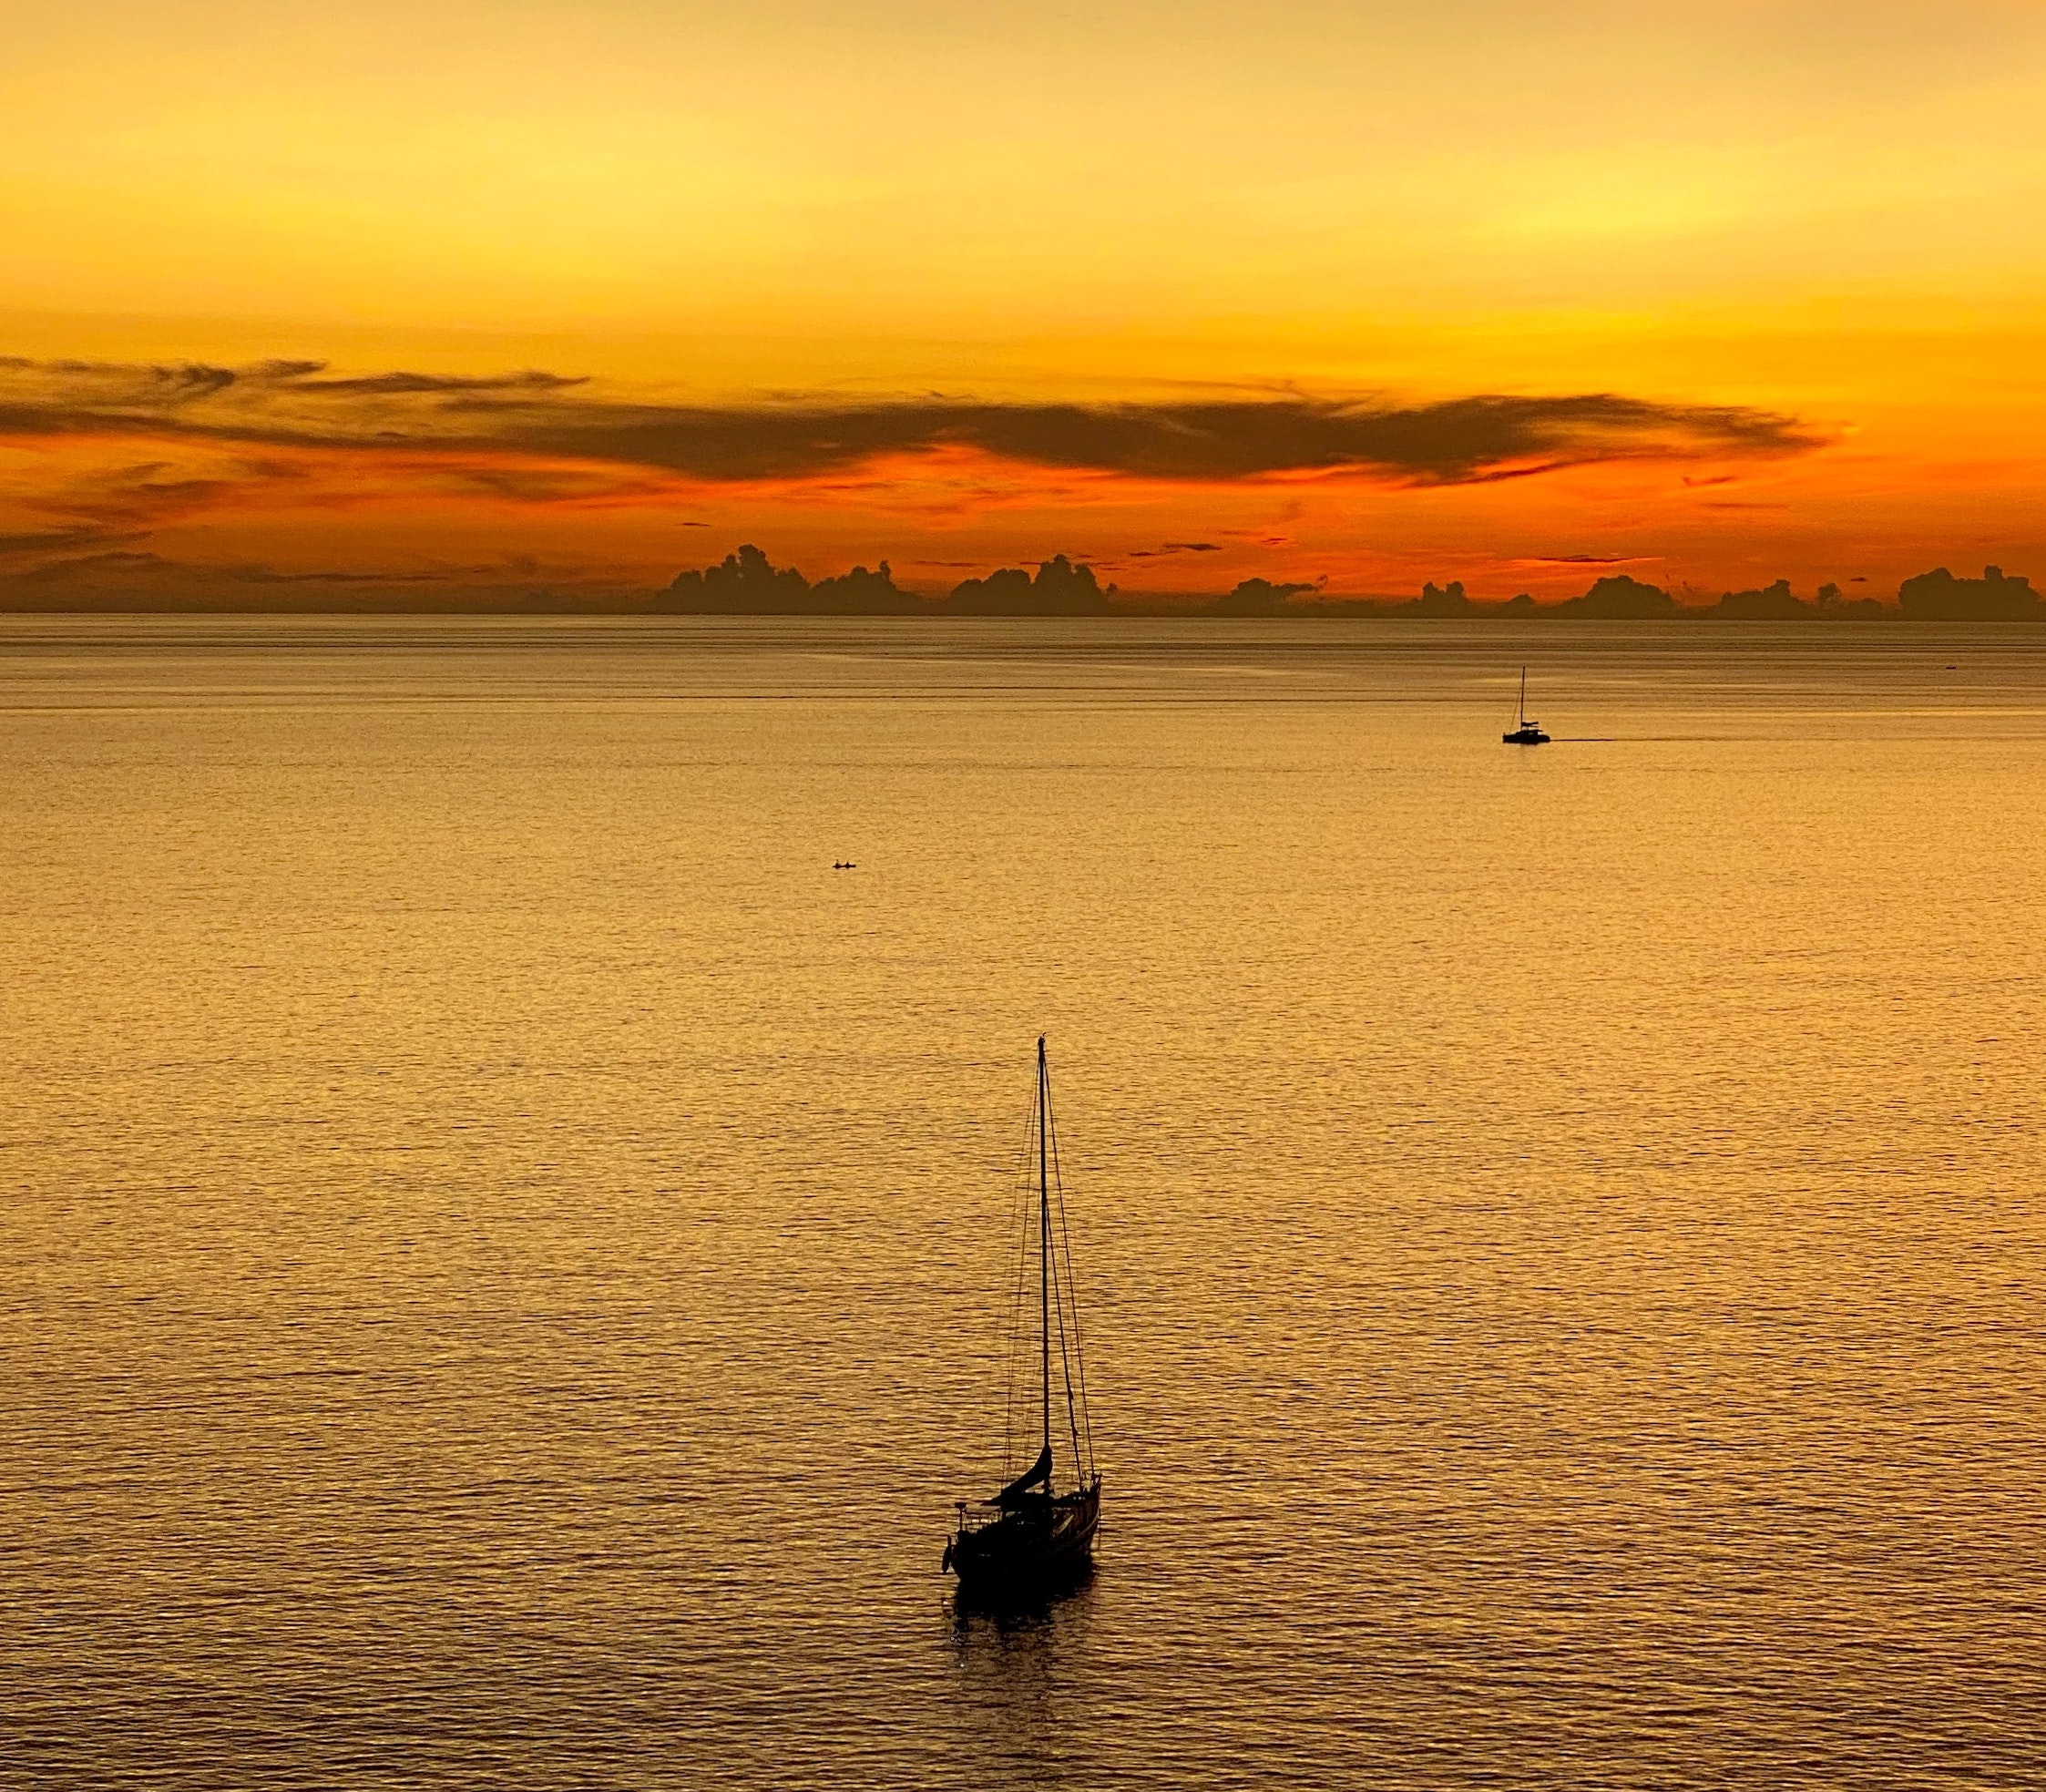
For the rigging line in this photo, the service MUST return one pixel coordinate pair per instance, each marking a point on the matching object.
(1069, 1305)
(1083, 1440)
(1079, 1352)
(1044, 1240)
(1022, 1223)
(1010, 1283)
(1028, 1237)
(1086, 1414)
(1062, 1296)
(1056, 1287)
(1022, 1444)
(1066, 1369)
(1070, 1302)
(1065, 1365)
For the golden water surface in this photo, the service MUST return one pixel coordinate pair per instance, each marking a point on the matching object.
(503, 1243)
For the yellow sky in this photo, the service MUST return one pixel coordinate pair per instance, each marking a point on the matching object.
(1826, 212)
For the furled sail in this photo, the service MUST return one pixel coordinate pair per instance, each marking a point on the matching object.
(1018, 1490)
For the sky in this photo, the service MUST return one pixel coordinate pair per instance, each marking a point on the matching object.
(299, 301)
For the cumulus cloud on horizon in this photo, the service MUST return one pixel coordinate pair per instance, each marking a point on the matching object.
(1456, 441)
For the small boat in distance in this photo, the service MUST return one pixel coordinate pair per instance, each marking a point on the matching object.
(1526, 732)
(1030, 1538)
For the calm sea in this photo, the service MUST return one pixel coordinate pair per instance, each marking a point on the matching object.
(503, 1245)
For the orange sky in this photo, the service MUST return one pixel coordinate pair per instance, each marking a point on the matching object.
(1350, 293)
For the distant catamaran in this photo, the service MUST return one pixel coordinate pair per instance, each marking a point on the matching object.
(1030, 1537)
(1526, 732)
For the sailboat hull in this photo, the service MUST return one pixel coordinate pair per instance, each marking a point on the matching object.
(1046, 1544)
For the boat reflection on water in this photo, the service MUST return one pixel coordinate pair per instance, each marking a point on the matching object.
(1013, 1608)
(1025, 1669)
(1031, 1540)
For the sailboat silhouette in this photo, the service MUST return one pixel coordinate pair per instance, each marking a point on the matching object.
(1030, 1537)
(1526, 732)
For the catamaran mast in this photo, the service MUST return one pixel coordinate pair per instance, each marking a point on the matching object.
(1044, 1243)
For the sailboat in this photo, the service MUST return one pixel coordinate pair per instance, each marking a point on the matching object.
(1031, 1537)
(1526, 733)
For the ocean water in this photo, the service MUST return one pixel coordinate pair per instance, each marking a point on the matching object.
(503, 1245)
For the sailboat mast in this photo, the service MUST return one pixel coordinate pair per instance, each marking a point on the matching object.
(1523, 696)
(1043, 1238)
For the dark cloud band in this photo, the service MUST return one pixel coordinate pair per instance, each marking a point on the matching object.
(1451, 441)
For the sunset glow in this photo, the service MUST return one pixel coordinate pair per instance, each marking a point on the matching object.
(1821, 218)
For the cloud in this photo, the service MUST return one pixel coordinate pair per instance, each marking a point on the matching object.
(130, 497)
(110, 505)
(262, 575)
(60, 542)
(1456, 441)
(1582, 559)
(531, 380)
(134, 579)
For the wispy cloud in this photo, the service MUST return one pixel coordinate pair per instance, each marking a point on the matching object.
(133, 577)
(1581, 560)
(61, 541)
(300, 404)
